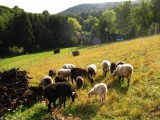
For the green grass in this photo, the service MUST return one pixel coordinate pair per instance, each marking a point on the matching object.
(140, 101)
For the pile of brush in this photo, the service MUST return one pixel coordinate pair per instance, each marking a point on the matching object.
(14, 89)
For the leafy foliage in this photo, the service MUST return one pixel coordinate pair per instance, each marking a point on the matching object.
(39, 32)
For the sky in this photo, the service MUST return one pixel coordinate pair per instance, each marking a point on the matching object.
(52, 6)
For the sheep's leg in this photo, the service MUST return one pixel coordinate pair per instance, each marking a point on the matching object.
(122, 80)
(95, 97)
(128, 82)
(64, 101)
(49, 106)
(60, 101)
(72, 79)
(119, 78)
(54, 103)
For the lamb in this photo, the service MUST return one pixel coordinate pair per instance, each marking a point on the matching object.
(99, 89)
(79, 82)
(52, 73)
(92, 69)
(75, 72)
(59, 90)
(60, 78)
(65, 72)
(38, 91)
(106, 67)
(68, 66)
(122, 71)
(46, 80)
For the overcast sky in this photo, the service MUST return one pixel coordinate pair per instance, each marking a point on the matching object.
(52, 6)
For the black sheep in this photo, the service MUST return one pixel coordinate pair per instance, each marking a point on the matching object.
(75, 72)
(113, 67)
(60, 78)
(59, 90)
(38, 91)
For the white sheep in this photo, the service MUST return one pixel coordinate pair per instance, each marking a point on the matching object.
(65, 72)
(46, 80)
(92, 69)
(106, 67)
(122, 71)
(68, 66)
(99, 89)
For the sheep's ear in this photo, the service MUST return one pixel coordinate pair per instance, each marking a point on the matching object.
(73, 93)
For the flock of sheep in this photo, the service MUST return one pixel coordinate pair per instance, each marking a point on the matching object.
(61, 88)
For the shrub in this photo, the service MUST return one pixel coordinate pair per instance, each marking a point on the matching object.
(15, 50)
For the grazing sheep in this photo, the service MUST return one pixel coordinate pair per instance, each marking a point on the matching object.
(114, 65)
(60, 78)
(65, 72)
(106, 67)
(46, 80)
(52, 73)
(79, 82)
(75, 72)
(122, 71)
(68, 66)
(59, 90)
(92, 70)
(38, 90)
(99, 89)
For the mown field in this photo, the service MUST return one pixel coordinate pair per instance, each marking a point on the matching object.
(141, 100)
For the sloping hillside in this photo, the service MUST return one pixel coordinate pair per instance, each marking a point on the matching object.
(138, 101)
(92, 7)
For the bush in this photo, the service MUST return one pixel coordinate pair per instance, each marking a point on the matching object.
(16, 50)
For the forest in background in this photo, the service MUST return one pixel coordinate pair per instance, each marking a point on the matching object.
(22, 32)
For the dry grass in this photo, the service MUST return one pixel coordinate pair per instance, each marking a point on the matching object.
(139, 101)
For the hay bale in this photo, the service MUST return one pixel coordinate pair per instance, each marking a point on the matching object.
(75, 53)
(57, 50)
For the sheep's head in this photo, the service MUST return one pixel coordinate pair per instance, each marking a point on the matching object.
(114, 73)
(74, 95)
(90, 93)
(91, 80)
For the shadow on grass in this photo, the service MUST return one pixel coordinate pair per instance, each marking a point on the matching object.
(117, 85)
(86, 111)
(41, 114)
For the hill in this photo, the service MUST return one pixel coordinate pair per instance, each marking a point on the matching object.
(92, 7)
(138, 101)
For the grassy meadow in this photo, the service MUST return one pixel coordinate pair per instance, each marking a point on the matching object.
(141, 100)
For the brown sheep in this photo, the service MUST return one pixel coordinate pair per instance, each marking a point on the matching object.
(122, 71)
(52, 73)
(75, 72)
(79, 82)
(60, 78)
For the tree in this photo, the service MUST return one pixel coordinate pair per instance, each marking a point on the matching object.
(156, 13)
(74, 29)
(107, 24)
(124, 17)
(45, 12)
(20, 31)
(89, 23)
(144, 17)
